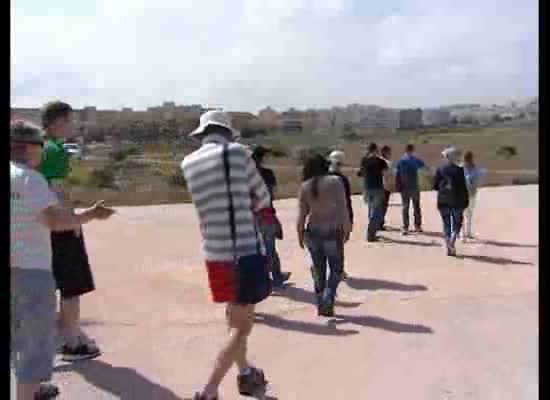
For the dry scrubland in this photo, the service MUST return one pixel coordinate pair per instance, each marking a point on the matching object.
(148, 174)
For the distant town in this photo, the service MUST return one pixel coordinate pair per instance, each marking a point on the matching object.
(95, 124)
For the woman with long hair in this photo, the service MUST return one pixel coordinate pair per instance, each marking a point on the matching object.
(323, 226)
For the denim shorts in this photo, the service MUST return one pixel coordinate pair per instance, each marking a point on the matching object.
(33, 307)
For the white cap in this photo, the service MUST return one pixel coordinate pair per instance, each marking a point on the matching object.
(449, 152)
(337, 156)
(214, 117)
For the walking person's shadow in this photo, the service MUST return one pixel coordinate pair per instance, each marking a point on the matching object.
(123, 383)
(378, 284)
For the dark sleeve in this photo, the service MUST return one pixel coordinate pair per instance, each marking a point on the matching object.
(437, 179)
(398, 176)
(362, 167)
(273, 178)
(347, 188)
(269, 178)
(461, 186)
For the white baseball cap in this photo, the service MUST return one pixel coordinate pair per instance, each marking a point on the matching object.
(449, 152)
(214, 117)
(337, 156)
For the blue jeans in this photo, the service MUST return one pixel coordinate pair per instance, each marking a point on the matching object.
(407, 196)
(33, 305)
(452, 222)
(326, 249)
(375, 203)
(269, 232)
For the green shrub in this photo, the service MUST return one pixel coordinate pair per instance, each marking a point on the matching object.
(278, 151)
(103, 177)
(507, 151)
(123, 154)
(177, 179)
(351, 136)
(302, 153)
(526, 180)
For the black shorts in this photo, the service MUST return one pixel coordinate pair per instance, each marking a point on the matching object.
(70, 265)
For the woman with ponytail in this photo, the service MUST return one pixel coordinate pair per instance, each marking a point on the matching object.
(323, 226)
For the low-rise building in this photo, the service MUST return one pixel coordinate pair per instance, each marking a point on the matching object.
(436, 117)
(410, 118)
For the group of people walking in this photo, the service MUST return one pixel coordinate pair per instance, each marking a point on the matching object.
(233, 194)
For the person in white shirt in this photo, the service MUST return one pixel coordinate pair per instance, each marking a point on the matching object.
(474, 176)
(389, 179)
(34, 212)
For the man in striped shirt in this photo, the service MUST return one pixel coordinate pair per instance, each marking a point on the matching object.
(204, 174)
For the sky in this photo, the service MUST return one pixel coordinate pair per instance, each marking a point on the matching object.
(249, 54)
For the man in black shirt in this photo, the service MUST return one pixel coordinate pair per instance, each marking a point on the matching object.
(269, 224)
(452, 196)
(373, 168)
(336, 159)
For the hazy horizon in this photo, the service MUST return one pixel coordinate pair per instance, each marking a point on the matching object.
(244, 55)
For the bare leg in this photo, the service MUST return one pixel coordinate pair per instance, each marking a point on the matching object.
(240, 321)
(69, 318)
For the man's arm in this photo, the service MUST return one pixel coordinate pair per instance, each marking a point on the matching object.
(437, 179)
(303, 211)
(347, 188)
(361, 171)
(344, 217)
(258, 188)
(58, 218)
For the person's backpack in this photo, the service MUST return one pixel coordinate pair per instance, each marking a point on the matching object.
(446, 190)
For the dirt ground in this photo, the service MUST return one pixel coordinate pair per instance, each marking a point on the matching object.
(411, 323)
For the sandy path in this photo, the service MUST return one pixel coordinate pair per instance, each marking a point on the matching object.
(411, 323)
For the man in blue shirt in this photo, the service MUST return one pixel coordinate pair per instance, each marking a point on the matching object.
(407, 185)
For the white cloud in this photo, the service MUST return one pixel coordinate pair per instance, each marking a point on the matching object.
(245, 54)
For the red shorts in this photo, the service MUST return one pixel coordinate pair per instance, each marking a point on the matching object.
(222, 280)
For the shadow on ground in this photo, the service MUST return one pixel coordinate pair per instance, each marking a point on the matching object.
(492, 260)
(123, 383)
(487, 242)
(90, 322)
(300, 295)
(377, 284)
(380, 323)
(331, 328)
(275, 321)
(385, 239)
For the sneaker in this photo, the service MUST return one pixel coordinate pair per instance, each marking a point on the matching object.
(405, 231)
(46, 391)
(418, 229)
(344, 275)
(326, 310)
(285, 276)
(373, 239)
(79, 353)
(253, 383)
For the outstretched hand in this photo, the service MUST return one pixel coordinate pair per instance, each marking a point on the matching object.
(100, 211)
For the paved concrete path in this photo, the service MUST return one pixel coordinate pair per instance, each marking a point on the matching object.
(411, 323)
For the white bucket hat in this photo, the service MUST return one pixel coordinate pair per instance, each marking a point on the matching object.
(214, 117)
(449, 152)
(337, 157)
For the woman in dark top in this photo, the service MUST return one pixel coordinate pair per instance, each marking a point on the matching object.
(452, 196)
(336, 160)
(268, 222)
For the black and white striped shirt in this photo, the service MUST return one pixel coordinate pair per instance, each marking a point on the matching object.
(205, 177)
